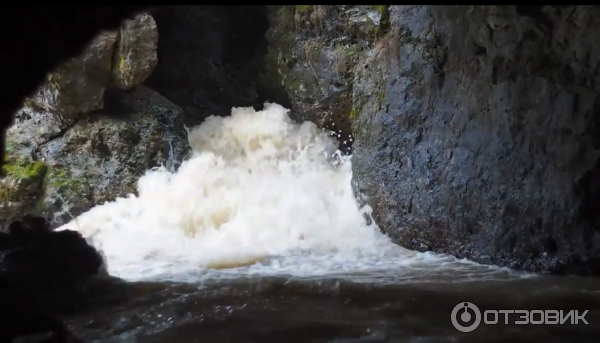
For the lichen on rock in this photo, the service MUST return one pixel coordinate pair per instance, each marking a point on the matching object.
(135, 52)
(100, 158)
(22, 184)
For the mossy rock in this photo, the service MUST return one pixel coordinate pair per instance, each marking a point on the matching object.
(21, 186)
(22, 178)
(61, 181)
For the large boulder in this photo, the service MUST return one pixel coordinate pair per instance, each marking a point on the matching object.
(123, 59)
(135, 51)
(477, 133)
(94, 160)
(66, 151)
(313, 50)
(41, 272)
(78, 85)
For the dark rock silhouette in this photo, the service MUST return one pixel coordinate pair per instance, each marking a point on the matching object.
(39, 268)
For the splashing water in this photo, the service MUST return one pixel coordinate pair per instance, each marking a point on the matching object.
(261, 195)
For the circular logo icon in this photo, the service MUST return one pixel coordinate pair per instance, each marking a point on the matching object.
(463, 314)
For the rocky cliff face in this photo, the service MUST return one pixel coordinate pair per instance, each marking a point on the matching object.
(313, 51)
(68, 152)
(485, 145)
(474, 126)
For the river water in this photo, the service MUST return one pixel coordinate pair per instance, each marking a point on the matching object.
(259, 238)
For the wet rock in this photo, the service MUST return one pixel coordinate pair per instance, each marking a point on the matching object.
(96, 159)
(22, 185)
(476, 133)
(77, 86)
(36, 260)
(135, 54)
(312, 53)
(32, 51)
(76, 111)
(39, 271)
(114, 58)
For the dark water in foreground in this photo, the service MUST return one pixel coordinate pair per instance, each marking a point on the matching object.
(336, 310)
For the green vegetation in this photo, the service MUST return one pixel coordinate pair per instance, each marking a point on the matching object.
(353, 114)
(27, 171)
(380, 99)
(61, 180)
(303, 8)
(20, 174)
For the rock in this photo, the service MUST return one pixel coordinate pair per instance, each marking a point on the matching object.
(124, 59)
(476, 132)
(96, 159)
(135, 51)
(78, 86)
(212, 58)
(36, 260)
(32, 51)
(39, 271)
(312, 52)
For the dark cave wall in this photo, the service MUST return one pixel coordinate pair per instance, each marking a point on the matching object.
(212, 58)
(486, 142)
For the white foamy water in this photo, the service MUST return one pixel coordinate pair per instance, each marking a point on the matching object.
(261, 195)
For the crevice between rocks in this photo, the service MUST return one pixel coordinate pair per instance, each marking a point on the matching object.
(213, 58)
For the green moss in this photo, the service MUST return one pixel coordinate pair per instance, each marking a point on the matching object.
(23, 170)
(303, 8)
(294, 85)
(380, 99)
(10, 146)
(353, 114)
(63, 182)
(382, 9)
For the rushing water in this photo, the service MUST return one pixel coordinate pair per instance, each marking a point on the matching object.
(265, 202)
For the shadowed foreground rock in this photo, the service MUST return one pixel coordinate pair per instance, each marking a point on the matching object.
(40, 272)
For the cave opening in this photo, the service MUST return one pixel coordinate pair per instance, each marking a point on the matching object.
(212, 58)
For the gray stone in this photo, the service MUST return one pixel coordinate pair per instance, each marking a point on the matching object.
(96, 159)
(77, 86)
(135, 55)
(476, 133)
